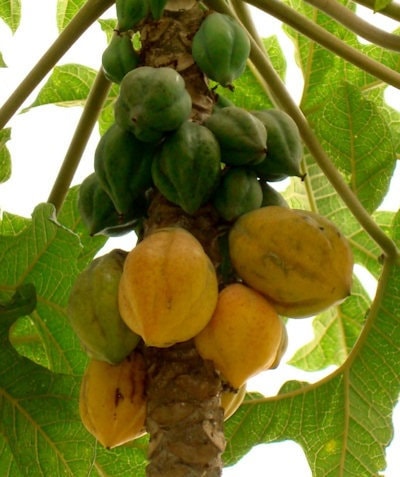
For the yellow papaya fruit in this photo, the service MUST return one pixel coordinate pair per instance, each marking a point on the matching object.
(168, 288)
(298, 259)
(243, 336)
(112, 402)
(231, 400)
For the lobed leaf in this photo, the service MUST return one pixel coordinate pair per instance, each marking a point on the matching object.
(66, 10)
(10, 12)
(5, 157)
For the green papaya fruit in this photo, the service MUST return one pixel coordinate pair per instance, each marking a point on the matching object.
(238, 192)
(220, 48)
(152, 102)
(271, 196)
(157, 8)
(242, 137)
(284, 146)
(222, 102)
(93, 310)
(130, 13)
(119, 58)
(99, 214)
(187, 168)
(123, 167)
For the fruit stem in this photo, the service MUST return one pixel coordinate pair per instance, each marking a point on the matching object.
(87, 121)
(87, 15)
(275, 88)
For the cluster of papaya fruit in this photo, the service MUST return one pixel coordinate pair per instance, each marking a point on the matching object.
(166, 290)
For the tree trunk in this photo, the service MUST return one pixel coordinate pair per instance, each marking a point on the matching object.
(184, 413)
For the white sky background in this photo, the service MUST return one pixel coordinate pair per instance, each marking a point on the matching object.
(39, 141)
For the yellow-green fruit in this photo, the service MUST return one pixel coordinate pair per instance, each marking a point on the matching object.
(243, 336)
(112, 401)
(168, 289)
(93, 310)
(231, 400)
(298, 259)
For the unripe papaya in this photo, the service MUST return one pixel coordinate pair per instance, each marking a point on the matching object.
(220, 48)
(119, 58)
(231, 400)
(298, 259)
(284, 147)
(112, 402)
(93, 310)
(238, 192)
(187, 169)
(243, 336)
(99, 214)
(271, 196)
(152, 102)
(242, 137)
(168, 289)
(123, 167)
(157, 8)
(130, 13)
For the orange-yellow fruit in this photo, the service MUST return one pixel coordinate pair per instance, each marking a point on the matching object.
(298, 259)
(112, 402)
(231, 400)
(243, 336)
(168, 289)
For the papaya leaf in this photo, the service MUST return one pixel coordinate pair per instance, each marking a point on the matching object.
(68, 85)
(329, 418)
(358, 139)
(10, 12)
(108, 26)
(381, 4)
(66, 10)
(5, 158)
(335, 333)
(23, 302)
(2, 62)
(48, 255)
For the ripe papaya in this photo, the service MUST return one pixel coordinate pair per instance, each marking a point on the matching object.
(298, 259)
(93, 310)
(220, 48)
(238, 192)
(123, 167)
(284, 147)
(231, 400)
(130, 13)
(152, 102)
(242, 137)
(243, 336)
(99, 214)
(271, 196)
(187, 168)
(112, 401)
(168, 289)
(119, 58)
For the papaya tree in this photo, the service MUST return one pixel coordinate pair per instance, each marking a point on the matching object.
(247, 212)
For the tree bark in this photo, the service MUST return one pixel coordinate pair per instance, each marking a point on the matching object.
(184, 413)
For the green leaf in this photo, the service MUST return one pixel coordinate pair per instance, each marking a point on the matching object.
(10, 12)
(358, 139)
(68, 85)
(5, 158)
(23, 302)
(343, 422)
(2, 62)
(108, 25)
(48, 255)
(66, 10)
(381, 4)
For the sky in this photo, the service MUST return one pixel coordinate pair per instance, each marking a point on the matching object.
(40, 139)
